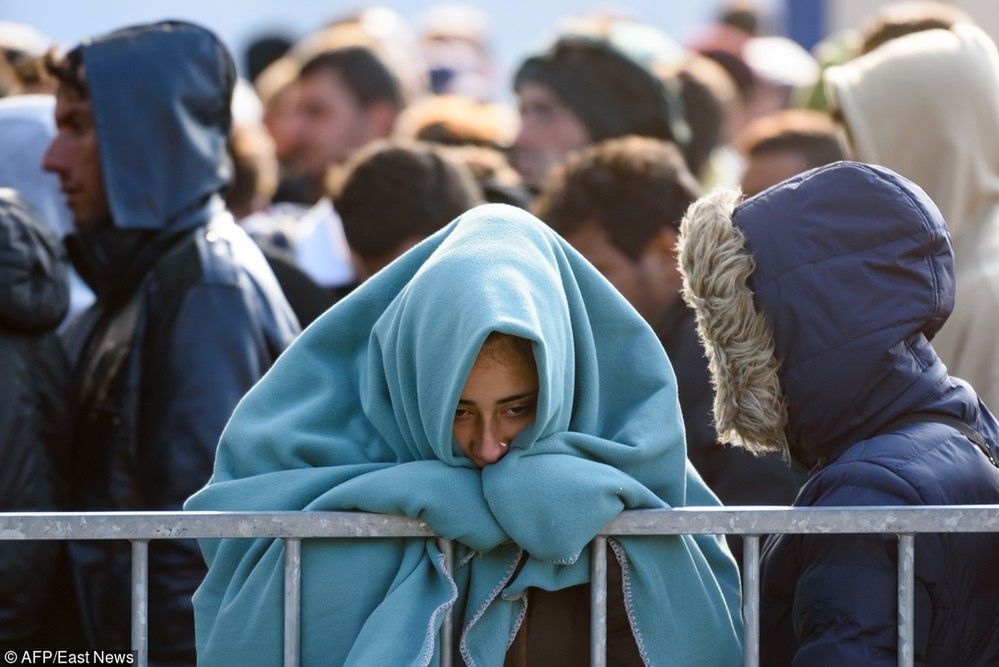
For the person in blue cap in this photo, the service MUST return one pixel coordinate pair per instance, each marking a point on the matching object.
(491, 383)
(188, 315)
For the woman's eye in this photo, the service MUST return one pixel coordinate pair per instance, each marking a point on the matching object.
(462, 413)
(519, 410)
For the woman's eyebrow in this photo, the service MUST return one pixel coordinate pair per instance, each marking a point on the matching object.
(517, 397)
(508, 399)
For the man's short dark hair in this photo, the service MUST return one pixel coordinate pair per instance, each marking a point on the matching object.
(904, 18)
(392, 191)
(363, 72)
(633, 187)
(742, 15)
(811, 134)
(68, 70)
(708, 94)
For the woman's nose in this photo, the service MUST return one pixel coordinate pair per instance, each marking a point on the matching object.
(492, 444)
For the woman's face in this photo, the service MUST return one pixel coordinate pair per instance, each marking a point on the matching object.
(498, 402)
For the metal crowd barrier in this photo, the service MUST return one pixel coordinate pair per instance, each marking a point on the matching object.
(293, 527)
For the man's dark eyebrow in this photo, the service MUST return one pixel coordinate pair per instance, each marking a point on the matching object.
(508, 399)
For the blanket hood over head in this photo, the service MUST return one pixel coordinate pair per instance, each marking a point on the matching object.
(161, 96)
(816, 300)
(357, 415)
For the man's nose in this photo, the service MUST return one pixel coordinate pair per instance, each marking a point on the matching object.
(54, 157)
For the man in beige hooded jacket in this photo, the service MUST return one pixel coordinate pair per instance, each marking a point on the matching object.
(927, 106)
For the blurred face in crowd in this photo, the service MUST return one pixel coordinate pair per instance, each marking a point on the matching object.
(332, 123)
(498, 402)
(281, 118)
(74, 156)
(770, 168)
(549, 130)
(651, 284)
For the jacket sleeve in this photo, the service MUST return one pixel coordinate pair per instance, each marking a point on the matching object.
(34, 435)
(208, 356)
(845, 600)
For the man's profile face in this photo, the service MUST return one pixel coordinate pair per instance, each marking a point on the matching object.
(650, 283)
(74, 155)
(549, 130)
(770, 168)
(332, 123)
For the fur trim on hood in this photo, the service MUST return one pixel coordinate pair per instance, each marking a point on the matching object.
(750, 408)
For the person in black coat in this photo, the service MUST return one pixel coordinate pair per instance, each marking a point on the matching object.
(188, 314)
(619, 203)
(34, 410)
(816, 302)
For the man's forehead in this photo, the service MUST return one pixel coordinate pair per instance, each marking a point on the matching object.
(71, 101)
(538, 94)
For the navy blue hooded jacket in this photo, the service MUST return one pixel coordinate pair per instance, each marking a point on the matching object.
(188, 315)
(849, 272)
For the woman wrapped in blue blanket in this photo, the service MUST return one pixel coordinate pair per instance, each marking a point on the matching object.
(491, 383)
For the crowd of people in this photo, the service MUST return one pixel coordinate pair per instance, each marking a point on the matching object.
(725, 272)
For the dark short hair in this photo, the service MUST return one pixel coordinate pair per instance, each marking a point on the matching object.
(705, 113)
(633, 187)
(394, 190)
(68, 70)
(904, 18)
(811, 134)
(363, 72)
(742, 15)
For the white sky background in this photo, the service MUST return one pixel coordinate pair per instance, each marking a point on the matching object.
(519, 26)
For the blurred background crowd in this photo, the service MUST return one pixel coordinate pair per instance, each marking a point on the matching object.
(355, 134)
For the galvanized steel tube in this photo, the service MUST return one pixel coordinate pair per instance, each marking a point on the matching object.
(292, 600)
(447, 629)
(598, 602)
(906, 599)
(751, 600)
(140, 601)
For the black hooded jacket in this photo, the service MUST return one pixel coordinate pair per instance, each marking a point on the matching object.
(188, 315)
(34, 409)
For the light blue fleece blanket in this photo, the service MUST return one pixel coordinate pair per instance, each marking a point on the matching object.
(357, 415)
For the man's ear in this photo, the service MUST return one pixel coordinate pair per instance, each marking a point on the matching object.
(381, 119)
(663, 244)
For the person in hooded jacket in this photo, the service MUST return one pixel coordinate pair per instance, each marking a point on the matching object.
(816, 303)
(34, 411)
(188, 314)
(927, 105)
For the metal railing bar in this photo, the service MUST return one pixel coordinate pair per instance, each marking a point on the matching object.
(447, 629)
(292, 600)
(140, 601)
(751, 600)
(906, 599)
(598, 602)
(682, 521)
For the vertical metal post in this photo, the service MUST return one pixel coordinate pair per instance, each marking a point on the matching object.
(447, 629)
(292, 600)
(906, 599)
(598, 602)
(140, 601)
(751, 600)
